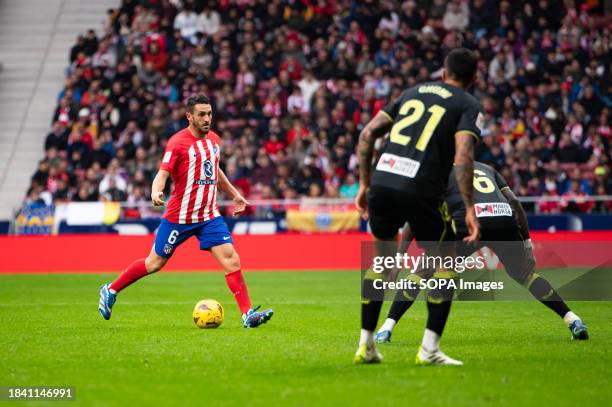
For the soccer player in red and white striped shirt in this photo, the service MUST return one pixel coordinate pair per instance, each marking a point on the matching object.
(192, 160)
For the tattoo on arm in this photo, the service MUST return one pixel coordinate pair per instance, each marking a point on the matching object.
(464, 166)
(376, 128)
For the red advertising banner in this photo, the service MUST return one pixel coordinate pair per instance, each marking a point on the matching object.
(98, 253)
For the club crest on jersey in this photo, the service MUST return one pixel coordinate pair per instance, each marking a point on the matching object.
(208, 173)
(207, 168)
(167, 248)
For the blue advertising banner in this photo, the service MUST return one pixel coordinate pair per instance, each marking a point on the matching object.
(35, 219)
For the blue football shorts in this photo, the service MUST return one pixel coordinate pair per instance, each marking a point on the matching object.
(213, 232)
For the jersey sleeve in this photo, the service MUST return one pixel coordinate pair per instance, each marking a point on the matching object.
(391, 109)
(170, 156)
(500, 181)
(471, 121)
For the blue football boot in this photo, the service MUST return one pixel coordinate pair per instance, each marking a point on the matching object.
(579, 330)
(107, 300)
(253, 318)
(382, 336)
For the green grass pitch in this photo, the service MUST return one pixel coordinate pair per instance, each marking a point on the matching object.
(151, 353)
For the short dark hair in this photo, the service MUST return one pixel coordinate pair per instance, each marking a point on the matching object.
(461, 65)
(197, 99)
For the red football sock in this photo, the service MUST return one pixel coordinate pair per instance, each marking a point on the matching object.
(238, 287)
(134, 272)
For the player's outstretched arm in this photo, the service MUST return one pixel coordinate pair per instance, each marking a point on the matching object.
(464, 173)
(518, 209)
(240, 203)
(157, 189)
(226, 186)
(377, 127)
(523, 223)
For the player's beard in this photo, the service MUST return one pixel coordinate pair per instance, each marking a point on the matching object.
(203, 129)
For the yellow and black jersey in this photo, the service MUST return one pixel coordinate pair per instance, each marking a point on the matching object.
(420, 152)
(491, 206)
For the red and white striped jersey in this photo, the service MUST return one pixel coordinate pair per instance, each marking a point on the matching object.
(193, 164)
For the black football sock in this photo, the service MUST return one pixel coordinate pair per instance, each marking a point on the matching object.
(402, 302)
(438, 307)
(371, 304)
(437, 315)
(543, 291)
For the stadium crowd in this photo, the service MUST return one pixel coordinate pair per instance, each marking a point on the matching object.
(293, 83)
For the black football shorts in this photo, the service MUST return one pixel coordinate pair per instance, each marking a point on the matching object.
(389, 209)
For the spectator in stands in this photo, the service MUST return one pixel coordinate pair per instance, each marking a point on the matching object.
(156, 56)
(576, 200)
(187, 23)
(90, 43)
(85, 193)
(568, 150)
(62, 192)
(111, 181)
(502, 68)
(456, 16)
(149, 76)
(209, 21)
(349, 187)
(378, 83)
(34, 196)
(549, 203)
(57, 138)
(577, 176)
(265, 171)
(112, 193)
